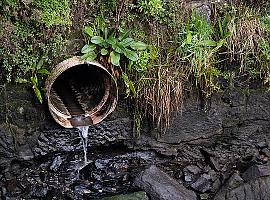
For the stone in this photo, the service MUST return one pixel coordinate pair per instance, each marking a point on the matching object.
(56, 164)
(262, 145)
(202, 184)
(214, 164)
(159, 186)
(256, 171)
(39, 190)
(133, 196)
(25, 152)
(255, 189)
(193, 169)
(266, 152)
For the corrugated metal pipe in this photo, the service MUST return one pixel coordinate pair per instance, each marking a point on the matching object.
(80, 93)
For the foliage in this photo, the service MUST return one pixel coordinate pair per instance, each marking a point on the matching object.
(197, 51)
(54, 12)
(113, 48)
(28, 47)
(153, 8)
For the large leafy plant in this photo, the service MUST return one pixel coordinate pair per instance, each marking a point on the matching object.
(111, 45)
(114, 49)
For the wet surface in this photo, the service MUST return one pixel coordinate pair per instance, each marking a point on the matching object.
(40, 160)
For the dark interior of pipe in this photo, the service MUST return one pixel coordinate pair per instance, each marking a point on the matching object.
(78, 89)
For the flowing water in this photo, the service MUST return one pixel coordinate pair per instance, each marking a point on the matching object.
(84, 136)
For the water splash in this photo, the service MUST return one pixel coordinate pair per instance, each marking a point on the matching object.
(83, 131)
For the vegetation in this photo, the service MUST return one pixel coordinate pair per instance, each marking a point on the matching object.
(157, 53)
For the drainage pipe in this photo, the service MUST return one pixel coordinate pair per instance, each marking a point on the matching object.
(80, 93)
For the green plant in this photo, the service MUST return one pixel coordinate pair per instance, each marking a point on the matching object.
(197, 51)
(150, 8)
(111, 48)
(38, 73)
(54, 12)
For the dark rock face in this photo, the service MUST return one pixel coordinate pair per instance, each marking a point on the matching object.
(257, 189)
(220, 151)
(162, 187)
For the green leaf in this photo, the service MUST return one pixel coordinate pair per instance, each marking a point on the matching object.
(89, 31)
(118, 47)
(208, 43)
(97, 40)
(132, 88)
(112, 40)
(34, 81)
(40, 63)
(87, 48)
(189, 38)
(127, 42)
(43, 71)
(138, 45)
(124, 34)
(104, 52)
(115, 58)
(131, 55)
(90, 56)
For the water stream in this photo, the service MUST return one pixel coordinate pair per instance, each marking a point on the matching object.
(83, 131)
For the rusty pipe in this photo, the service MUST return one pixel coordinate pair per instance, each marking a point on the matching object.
(80, 93)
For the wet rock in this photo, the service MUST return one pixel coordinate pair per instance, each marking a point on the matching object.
(214, 164)
(256, 189)
(25, 152)
(262, 145)
(266, 152)
(39, 190)
(256, 171)
(160, 186)
(234, 181)
(202, 184)
(191, 173)
(132, 196)
(56, 164)
(68, 140)
(193, 169)
(193, 124)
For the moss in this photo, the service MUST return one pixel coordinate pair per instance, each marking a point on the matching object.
(54, 12)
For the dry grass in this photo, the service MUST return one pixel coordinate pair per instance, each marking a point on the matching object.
(246, 31)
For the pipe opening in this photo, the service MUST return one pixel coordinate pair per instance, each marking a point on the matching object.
(78, 89)
(80, 93)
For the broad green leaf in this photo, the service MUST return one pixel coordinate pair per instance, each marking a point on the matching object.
(89, 31)
(87, 48)
(43, 71)
(97, 40)
(90, 56)
(112, 40)
(138, 45)
(127, 42)
(115, 58)
(189, 38)
(104, 52)
(131, 55)
(118, 47)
